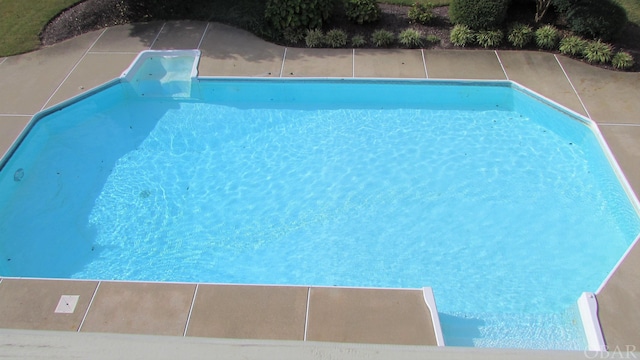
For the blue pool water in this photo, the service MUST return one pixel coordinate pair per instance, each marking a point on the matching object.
(507, 208)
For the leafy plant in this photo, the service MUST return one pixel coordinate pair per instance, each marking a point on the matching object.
(489, 38)
(293, 35)
(432, 39)
(572, 45)
(411, 38)
(362, 11)
(382, 38)
(547, 37)
(314, 38)
(622, 60)
(291, 14)
(336, 38)
(598, 52)
(478, 14)
(520, 35)
(601, 19)
(462, 36)
(421, 13)
(358, 41)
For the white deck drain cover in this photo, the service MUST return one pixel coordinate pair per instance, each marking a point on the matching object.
(67, 304)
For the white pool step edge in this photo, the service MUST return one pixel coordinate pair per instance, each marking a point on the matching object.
(588, 306)
(430, 300)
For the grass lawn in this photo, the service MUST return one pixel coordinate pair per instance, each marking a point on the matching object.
(633, 10)
(22, 20)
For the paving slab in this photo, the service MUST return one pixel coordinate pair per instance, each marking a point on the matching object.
(610, 96)
(540, 72)
(95, 69)
(318, 63)
(140, 308)
(227, 51)
(391, 63)
(10, 129)
(185, 34)
(618, 304)
(128, 38)
(249, 312)
(29, 80)
(32, 304)
(374, 316)
(624, 144)
(463, 64)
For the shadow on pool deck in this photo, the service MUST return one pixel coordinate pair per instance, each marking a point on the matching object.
(37, 80)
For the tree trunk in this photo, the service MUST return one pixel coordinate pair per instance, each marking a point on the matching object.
(541, 8)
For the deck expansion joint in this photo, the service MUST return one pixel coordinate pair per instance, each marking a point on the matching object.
(353, 63)
(284, 58)
(193, 301)
(73, 69)
(306, 316)
(575, 91)
(89, 306)
(157, 36)
(204, 33)
(501, 65)
(424, 63)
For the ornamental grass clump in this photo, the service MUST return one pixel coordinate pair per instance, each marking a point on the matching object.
(382, 38)
(573, 46)
(358, 41)
(547, 37)
(520, 35)
(336, 38)
(314, 38)
(622, 60)
(411, 38)
(598, 52)
(489, 38)
(462, 35)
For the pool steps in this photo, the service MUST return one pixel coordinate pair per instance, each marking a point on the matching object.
(588, 306)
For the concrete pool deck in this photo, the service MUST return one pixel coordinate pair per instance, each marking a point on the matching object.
(35, 81)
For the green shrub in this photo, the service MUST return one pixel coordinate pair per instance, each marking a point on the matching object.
(421, 13)
(562, 6)
(547, 37)
(411, 38)
(622, 60)
(478, 14)
(382, 38)
(462, 36)
(489, 38)
(314, 38)
(432, 39)
(598, 52)
(572, 45)
(362, 11)
(597, 19)
(293, 35)
(358, 41)
(520, 35)
(336, 38)
(302, 14)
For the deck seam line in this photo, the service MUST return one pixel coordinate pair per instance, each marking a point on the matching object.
(284, 57)
(72, 70)
(306, 316)
(618, 124)
(157, 35)
(86, 313)
(204, 33)
(3, 60)
(575, 91)
(353, 63)
(501, 65)
(424, 64)
(193, 301)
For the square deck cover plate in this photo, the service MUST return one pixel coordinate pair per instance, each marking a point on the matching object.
(67, 304)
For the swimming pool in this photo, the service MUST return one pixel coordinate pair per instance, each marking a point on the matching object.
(496, 200)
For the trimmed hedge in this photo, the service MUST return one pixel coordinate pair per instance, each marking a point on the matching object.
(596, 19)
(478, 14)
